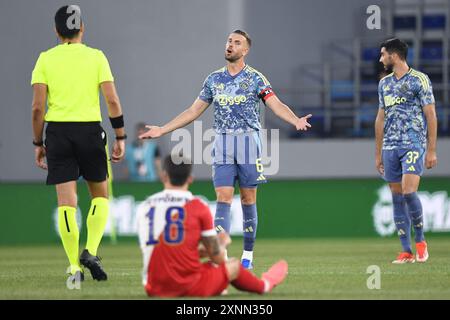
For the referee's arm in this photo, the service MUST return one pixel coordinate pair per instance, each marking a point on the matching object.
(37, 116)
(115, 112)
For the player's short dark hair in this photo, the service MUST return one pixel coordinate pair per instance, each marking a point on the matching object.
(397, 46)
(178, 173)
(245, 35)
(61, 25)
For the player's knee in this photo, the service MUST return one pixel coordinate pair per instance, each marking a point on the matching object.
(409, 190)
(248, 200)
(232, 266)
(396, 188)
(224, 196)
(67, 194)
(67, 201)
(406, 188)
(98, 189)
(248, 197)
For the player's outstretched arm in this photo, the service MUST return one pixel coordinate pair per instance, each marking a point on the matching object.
(182, 120)
(379, 132)
(284, 112)
(430, 114)
(37, 118)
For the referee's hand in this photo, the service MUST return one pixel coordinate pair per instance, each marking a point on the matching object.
(39, 157)
(118, 151)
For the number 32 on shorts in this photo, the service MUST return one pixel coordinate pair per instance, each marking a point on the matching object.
(412, 156)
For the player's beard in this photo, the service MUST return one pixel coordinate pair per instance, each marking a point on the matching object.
(232, 58)
(389, 66)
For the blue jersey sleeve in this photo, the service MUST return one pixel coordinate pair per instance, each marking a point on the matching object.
(380, 95)
(426, 92)
(206, 94)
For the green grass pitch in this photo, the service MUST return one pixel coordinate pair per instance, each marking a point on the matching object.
(318, 269)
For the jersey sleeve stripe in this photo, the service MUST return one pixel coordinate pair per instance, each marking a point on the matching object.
(209, 233)
(264, 79)
(422, 79)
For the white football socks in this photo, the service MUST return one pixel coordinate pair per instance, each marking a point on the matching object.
(247, 255)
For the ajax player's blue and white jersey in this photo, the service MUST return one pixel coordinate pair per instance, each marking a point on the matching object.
(236, 99)
(402, 100)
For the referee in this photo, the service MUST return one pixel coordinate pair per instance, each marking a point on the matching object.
(68, 78)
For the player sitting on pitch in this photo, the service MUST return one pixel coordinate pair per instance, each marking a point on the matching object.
(175, 230)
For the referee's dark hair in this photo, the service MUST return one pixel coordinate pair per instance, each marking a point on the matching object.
(64, 21)
(397, 46)
(245, 35)
(178, 173)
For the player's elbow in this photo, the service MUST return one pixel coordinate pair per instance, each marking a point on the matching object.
(379, 121)
(194, 112)
(113, 102)
(276, 109)
(430, 114)
(37, 110)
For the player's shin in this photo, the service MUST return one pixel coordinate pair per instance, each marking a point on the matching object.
(96, 222)
(402, 221)
(416, 213)
(250, 223)
(222, 220)
(68, 230)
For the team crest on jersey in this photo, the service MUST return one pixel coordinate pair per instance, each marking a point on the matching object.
(404, 88)
(244, 85)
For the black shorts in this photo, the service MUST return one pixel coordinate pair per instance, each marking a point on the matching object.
(75, 149)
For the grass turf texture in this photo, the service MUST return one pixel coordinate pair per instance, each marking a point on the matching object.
(318, 269)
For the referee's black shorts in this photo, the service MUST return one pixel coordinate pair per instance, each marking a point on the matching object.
(75, 149)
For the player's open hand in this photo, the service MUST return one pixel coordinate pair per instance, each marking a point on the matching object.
(39, 157)
(302, 123)
(379, 165)
(152, 133)
(430, 159)
(118, 151)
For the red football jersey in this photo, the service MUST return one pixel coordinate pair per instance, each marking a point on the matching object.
(171, 224)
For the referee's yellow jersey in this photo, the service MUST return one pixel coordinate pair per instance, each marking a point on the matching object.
(73, 74)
